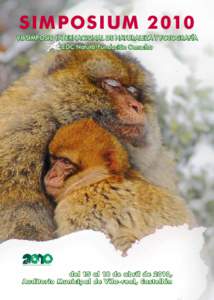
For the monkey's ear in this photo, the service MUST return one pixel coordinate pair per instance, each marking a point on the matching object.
(113, 161)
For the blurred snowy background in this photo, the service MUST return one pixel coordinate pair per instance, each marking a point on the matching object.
(184, 75)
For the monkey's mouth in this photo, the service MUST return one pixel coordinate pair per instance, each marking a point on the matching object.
(53, 191)
(134, 134)
(127, 131)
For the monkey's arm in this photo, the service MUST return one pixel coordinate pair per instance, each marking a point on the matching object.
(108, 206)
(71, 217)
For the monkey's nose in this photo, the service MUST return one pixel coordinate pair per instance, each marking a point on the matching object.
(135, 106)
(52, 175)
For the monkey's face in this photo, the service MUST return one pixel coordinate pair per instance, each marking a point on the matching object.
(83, 153)
(60, 169)
(115, 90)
(128, 120)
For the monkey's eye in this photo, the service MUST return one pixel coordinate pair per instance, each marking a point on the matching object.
(69, 165)
(64, 160)
(134, 91)
(112, 82)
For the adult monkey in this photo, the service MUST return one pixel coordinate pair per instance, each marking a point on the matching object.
(62, 87)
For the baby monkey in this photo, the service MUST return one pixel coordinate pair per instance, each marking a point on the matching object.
(96, 188)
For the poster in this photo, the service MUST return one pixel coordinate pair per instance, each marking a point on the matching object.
(60, 52)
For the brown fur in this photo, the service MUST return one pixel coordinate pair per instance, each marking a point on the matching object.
(123, 204)
(57, 90)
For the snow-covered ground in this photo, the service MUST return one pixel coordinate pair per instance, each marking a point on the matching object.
(169, 249)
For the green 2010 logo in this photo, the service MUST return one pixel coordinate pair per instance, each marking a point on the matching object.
(36, 259)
